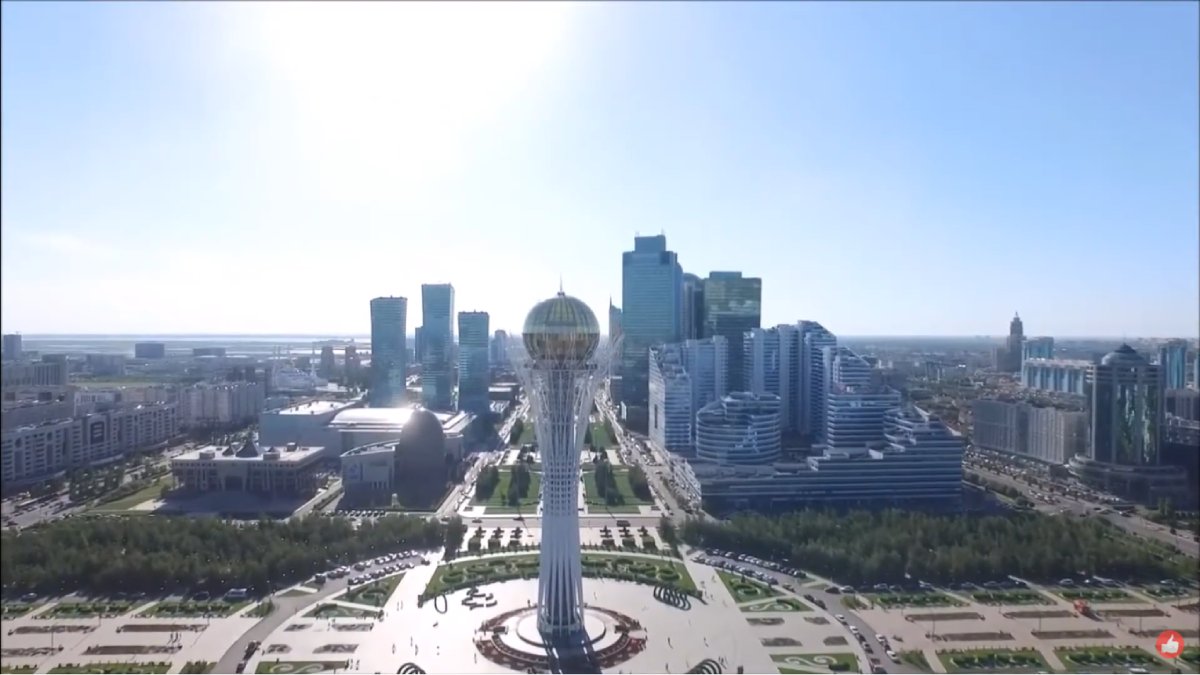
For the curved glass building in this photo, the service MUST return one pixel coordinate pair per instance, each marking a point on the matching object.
(740, 428)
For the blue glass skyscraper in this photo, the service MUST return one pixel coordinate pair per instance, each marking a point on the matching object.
(389, 350)
(651, 314)
(1172, 363)
(473, 373)
(437, 337)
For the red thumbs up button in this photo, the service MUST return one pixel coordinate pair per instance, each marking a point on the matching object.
(1169, 644)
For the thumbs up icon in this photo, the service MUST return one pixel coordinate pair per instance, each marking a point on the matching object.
(1169, 644)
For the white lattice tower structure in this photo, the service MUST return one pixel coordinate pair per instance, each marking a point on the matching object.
(560, 364)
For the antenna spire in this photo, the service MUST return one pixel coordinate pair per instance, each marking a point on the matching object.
(560, 286)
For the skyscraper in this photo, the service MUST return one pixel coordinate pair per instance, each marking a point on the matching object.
(1038, 348)
(1172, 361)
(651, 286)
(693, 307)
(1127, 409)
(437, 334)
(790, 362)
(561, 374)
(473, 373)
(684, 377)
(328, 367)
(499, 349)
(732, 306)
(614, 322)
(389, 350)
(1008, 357)
(12, 347)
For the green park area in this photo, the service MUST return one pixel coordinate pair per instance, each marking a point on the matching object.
(197, 667)
(1010, 598)
(1096, 595)
(330, 610)
(640, 569)
(745, 589)
(19, 670)
(375, 593)
(778, 605)
(106, 668)
(1109, 660)
(916, 659)
(816, 663)
(919, 599)
(294, 667)
(1191, 656)
(176, 609)
(598, 436)
(508, 489)
(614, 488)
(132, 500)
(993, 661)
(87, 609)
(12, 610)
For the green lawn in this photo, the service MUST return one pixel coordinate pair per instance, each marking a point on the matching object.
(528, 435)
(1107, 659)
(198, 667)
(993, 661)
(744, 589)
(375, 593)
(21, 670)
(151, 491)
(600, 437)
(778, 605)
(300, 666)
(1191, 656)
(924, 599)
(329, 610)
(595, 501)
(85, 610)
(1096, 595)
(840, 662)
(642, 569)
(194, 608)
(131, 668)
(497, 504)
(11, 610)
(1010, 598)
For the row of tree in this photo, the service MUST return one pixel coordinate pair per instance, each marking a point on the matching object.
(890, 546)
(485, 484)
(606, 483)
(519, 483)
(518, 428)
(110, 554)
(639, 484)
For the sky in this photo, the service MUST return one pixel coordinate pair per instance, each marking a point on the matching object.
(885, 168)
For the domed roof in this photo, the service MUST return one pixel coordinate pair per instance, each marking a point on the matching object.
(1123, 355)
(422, 430)
(561, 328)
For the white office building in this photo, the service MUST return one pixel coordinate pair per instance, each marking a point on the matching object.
(222, 404)
(854, 415)
(1063, 376)
(684, 377)
(789, 361)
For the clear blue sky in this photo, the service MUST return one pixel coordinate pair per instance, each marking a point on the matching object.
(885, 168)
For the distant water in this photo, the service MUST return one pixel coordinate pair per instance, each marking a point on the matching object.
(241, 345)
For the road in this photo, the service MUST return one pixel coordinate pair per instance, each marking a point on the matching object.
(1134, 525)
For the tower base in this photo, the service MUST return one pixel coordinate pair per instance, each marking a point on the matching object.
(513, 640)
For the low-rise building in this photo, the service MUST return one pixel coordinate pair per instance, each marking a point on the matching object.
(919, 462)
(416, 467)
(245, 467)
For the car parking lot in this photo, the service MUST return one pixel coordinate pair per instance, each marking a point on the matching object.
(372, 569)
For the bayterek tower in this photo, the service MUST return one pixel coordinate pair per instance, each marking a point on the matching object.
(560, 371)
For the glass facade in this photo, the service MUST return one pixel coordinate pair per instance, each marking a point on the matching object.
(741, 428)
(732, 306)
(473, 372)
(437, 344)
(1127, 410)
(389, 351)
(651, 289)
(1172, 361)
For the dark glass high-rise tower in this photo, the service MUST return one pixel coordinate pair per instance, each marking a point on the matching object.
(389, 350)
(732, 306)
(473, 373)
(651, 310)
(437, 338)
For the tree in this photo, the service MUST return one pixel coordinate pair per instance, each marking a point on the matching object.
(456, 530)
(514, 435)
(638, 483)
(587, 436)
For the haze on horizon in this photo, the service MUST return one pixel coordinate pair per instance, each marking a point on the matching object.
(887, 169)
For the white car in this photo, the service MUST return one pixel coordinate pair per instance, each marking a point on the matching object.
(841, 618)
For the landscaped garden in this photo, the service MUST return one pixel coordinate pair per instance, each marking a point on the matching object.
(1107, 659)
(18, 670)
(808, 663)
(87, 609)
(107, 668)
(744, 589)
(375, 593)
(778, 605)
(194, 608)
(993, 660)
(921, 599)
(615, 489)
(300, 667)
(916, 659)
(508, 489)
(329, 610)
(1010, 598)
(1096, 595)
(1191, 656)
(198, 667)
(655, 571)
(11, 610)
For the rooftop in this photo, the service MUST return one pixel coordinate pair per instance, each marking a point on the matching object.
(314, 408)
(248, 451)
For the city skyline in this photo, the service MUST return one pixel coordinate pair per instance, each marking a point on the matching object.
(877, 178)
